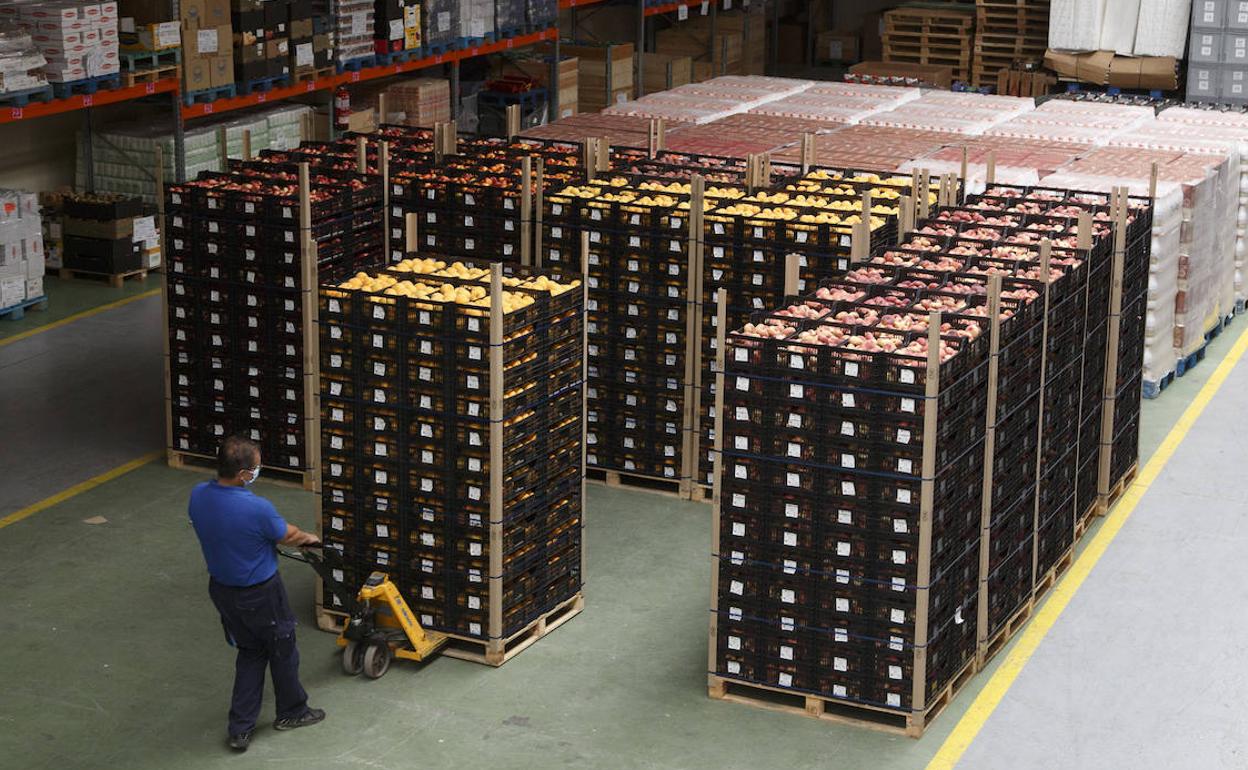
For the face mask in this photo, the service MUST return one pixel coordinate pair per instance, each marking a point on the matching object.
(255, 474)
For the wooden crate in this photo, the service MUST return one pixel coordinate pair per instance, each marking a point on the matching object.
(662, 72)
(726, 55)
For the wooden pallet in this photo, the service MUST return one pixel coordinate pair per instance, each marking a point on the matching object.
(114, 279)
(952, 46)
(641, 482)
(496, 652)
(303, 479)
(889, 720)
(130, 79)
(1102, 507)
(928, 20)
(307, 75)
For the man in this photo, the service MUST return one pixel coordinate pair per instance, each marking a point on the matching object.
(238, 533)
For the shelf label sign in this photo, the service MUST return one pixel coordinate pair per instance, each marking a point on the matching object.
(682, 12)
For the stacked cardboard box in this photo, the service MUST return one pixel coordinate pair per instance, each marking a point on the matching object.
(663, 72)
(418, 102)
(21, 248)
(147, 25)
(78, 40)
(207, 44)
(396, 25)
(124, 156)
(604, 74)
(537, 69)
(1218, 52)
(109, 235)
(263, 34)
(353, 33)
(724, 54)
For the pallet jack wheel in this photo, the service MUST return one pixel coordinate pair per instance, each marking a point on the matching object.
(377, 657)
(353, 658)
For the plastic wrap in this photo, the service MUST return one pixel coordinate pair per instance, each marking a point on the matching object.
(1075, 25)
(1162, 28)
(1118, 31)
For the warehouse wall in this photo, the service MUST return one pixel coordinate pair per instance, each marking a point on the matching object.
(39, 154)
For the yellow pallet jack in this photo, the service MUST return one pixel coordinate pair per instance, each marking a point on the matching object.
(379, 626)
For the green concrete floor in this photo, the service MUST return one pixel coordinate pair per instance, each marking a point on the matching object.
(115, 659)
(69, 297)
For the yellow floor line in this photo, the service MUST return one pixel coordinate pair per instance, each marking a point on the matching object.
(78, 489)
(994, 691)
(77, 317)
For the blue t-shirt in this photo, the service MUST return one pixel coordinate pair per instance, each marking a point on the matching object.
(237, 532)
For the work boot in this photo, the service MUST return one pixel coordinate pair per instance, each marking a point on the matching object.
(241, 741)
(309, 717)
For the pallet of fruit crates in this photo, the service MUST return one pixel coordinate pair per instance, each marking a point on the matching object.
(255, 238)
(452, 437)
(1006, 569)
(828, 587)
(639, 251)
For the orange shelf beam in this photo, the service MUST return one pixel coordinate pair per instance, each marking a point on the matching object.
(83, 101)
(371, 73)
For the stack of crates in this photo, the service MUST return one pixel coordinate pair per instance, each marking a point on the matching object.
(468, 509)
(827, 581)
(241, 258)
(638, 255)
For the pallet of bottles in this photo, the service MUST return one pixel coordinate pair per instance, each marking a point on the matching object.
(451, 414)
(245, 248)
(831, 399)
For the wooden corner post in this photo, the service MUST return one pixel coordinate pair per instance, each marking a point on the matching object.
(310, 285)
(927, 503)
(1109, 390)
(1046, 248)
(689, 460)
(990, 448)
(721, 358)
(494, 646)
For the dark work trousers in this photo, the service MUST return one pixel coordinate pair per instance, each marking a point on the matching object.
(258, 621)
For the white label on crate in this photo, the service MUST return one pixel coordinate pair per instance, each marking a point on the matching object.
(907, 405)
(790, 539)
(788, 596)
(335, 332)
(383, 531)
(426, 485)
(177, 266)
(738, 529)
(894, 672)
(793, 479)
(473, 382)
(212, 249)
(336, 415)
(379, 423)
(335, 361)
(381, 477)
(907, 376)
(794, 421)
(842, 605)
(794, 449)
(903, 495)
(738, 500)
(899, 556)
(796, 391)
(474, 493)
(743, 383)
(206, 41)
(848, 488)
(847, 400)
(897, 616)
(797, 362)
(734, 642)
(335, 469)
(425, 373)
(380, 449)
(847, 428)
(336, 522)
(474, 352)
(842, 548)
(335, 388)
(848, 461)
(739, 471)
(741, 442)
(474, 438)
(903, 436)
(741, 354)
(786, 623)
(426, 539)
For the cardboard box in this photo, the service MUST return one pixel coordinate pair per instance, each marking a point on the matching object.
(1208, 14)
(1144, 72)
(300, 29)
(193, 14)
(34, 287)
(154, 37)
(12, 291)
(221, 70)
(363, 121)
(1104, 68)
(934, 75)
(837, 46)
(1205, 47)
(277, 49)
(216, 13)
(1203, 81)
(197, 74)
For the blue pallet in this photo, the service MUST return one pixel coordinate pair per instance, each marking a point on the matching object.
(399, 57)
(248, 87)
(357, 64)
(440, 49)
(1184, 364)
(209, 94)
(1154, 389)
(504, 34)
(23, 98)
(469, 42)
(18, 312)
(86, 86)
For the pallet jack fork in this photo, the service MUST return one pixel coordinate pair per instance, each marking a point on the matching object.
(379, 625)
